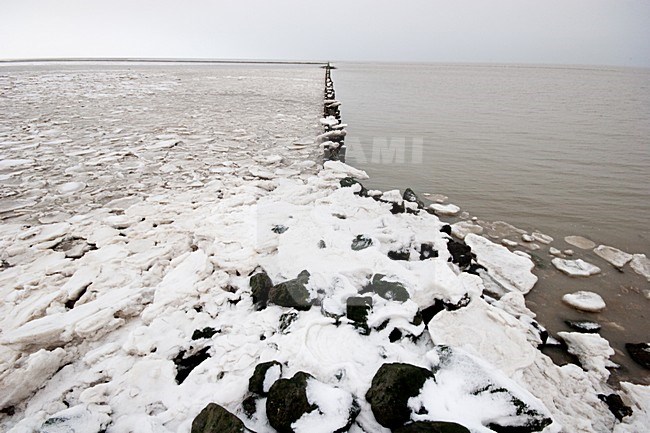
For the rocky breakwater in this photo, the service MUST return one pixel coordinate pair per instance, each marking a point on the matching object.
(308, 305)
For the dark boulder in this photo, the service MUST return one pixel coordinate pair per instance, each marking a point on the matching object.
(391, 388)
(292, 293)
(215, 419)
(206, 332)
(461, 254)
(391, 290)
(358, 308)
(431, 427)
(446, 229)
(399, 255)
(256, 382)
(616, 405)
(186, 363)
(427, 252)
(410, 196)
(260, 286)
(279, 229)
(361, 242)
(639, 353)
(438, 305)
(287, 402)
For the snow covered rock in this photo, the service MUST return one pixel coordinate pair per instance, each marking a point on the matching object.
(304, 405)
(390, 290)
(511, 271)
(583, 326)
(585, 301)
(214, 418)
(410, 196)
(462, 382)
(264, 376)
(340, 170)
(575, 268)
(613, 255)
(392, 387)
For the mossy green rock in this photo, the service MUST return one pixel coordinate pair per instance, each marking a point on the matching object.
(215, 419)
(391, 388)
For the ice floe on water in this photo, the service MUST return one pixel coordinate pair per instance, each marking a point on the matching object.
(613, 255)
(585, 301)
(575, 268)
(580, 242)
(168, 277)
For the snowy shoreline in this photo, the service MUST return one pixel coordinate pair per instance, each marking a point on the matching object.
(104, 309)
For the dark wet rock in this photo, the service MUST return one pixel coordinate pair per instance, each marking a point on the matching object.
(475, 268)
(639, 353)
(446, 229)
(249, 405)
(397, 208)
(583, 326)
(431, 427)
(260, 284)
(287, 402)
(186, 363)
(395, 334)
(358, 308)
(391, 388)
(461, 254)
(215, 419)
(286, 320)
(321, 244)
(399, 255)
(256, 382)
(427, 251)
(361, 242)
(440, 305)
(292, 293)
(357, 311)
(616, 405)
(410, 196)
(391, 290)
(279, 229)
(207, 332)
(350, 181)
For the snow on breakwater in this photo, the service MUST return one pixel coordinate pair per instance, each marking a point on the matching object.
(159, 282)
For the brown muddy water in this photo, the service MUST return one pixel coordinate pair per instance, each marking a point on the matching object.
(560, 150)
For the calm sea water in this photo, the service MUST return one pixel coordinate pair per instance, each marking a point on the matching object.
(562, 150)
(565, 150)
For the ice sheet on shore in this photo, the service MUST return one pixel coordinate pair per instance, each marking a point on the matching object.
(613, 255)
(513, 272)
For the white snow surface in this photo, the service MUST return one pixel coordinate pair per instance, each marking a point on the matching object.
(175, 220)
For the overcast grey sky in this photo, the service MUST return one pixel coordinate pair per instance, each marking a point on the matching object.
(602, 32)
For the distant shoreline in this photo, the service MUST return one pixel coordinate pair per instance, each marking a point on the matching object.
(132, 60)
